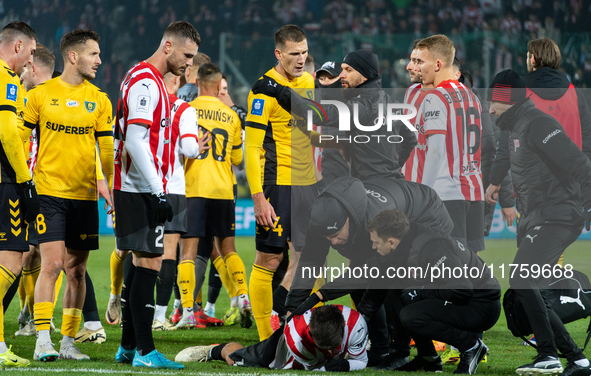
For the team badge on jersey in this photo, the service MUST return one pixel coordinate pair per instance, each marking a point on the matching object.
(11, 90)
(257, 107)
(90, 106)
(310, 94)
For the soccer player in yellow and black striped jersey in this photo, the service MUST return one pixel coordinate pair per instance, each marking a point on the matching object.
(72, 115)
(279, 167)
(18, 198)
(210, 194)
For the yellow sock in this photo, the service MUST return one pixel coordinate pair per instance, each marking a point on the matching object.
(71, 321)
(561, 260)
(58, 287)
(186, 282)
(116, 273)
(6, 280)
(261, 299)
(43, 312)
(29, 279)
(22, 295)
(220, 266)
(237, 272)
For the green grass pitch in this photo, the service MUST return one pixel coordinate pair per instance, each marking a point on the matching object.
(506, 351)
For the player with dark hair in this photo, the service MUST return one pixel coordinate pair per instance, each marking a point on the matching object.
(143, 166)
(71, 115)
(279, 169)
(20, 204)
(328, 338)
(210, 202)
(189, 91)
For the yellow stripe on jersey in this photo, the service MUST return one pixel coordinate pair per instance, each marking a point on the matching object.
(13, 160)
(210, 175)
(71, 119)
(277, 152)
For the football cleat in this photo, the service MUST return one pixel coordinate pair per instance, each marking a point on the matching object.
(155, 360)
(245, 311)
(27, 330)
(203, 320)
(45, 352)
(113, 314)
(209, 312)
(72, 352)
(186, 322)
(159, 326)
(232, 316)
(175, 316)
(92, 336)
(124, 356)
(450, 356)
(9, 359)
(195, 354)
(542, 365)
(469, 360)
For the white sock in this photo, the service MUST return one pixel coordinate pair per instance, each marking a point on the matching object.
(580, 362)
(67, 341)
(209, 306)
(187, 311)
(93, 325)
(234, 302)
(177, 303)
(274, 313)
(112, 297)
(3, 347)
(160, 313)
(43, 336)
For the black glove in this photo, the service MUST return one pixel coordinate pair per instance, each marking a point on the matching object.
(306, 305)
(30, 201)
(162, 207)
(411, 295)
(587, 218)
(267, 86)
(337, 365)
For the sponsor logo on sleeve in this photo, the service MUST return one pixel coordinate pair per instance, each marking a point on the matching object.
(548, 137)
(11, 90)
(432, 115)
(257, 107)
(143, 104)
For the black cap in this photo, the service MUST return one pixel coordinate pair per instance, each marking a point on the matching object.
(507, 87)
(331, 68)
(365, 62)
(328, 216)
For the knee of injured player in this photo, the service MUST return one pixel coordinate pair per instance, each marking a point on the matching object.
(327, 327)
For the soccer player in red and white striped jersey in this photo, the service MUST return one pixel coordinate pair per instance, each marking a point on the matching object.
(414, 95)
(449, 118)
(328, 338)
(143, 166)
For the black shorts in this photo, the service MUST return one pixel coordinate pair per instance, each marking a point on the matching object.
(13, 229)
(178, 225)
(260, 354)
(74, 221)
(291, 224)
(468, 219)
(136, 229)
(207, 216)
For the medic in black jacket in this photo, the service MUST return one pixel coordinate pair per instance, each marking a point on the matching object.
(552, 182)
(375, 154)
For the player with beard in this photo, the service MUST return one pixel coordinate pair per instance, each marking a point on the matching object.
(143, 167)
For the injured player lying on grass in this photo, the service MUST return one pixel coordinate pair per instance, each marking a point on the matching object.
(328, 338)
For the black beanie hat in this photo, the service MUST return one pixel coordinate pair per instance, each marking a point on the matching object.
(328, 216)
(507, 87)
(365, 62)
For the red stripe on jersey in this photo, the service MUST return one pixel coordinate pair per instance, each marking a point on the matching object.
(413, 168)
(290, 340)
(190, 135)
(139, 121)
(176, 120)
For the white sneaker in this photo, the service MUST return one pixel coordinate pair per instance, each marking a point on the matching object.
(27, 330)
(195, 354)
(45, 352)
(72, 352)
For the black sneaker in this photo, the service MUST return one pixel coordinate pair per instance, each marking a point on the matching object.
(392, 361)
(423, 363)
(469, 360)
(374, 358)
(542, 365)
(573, 369)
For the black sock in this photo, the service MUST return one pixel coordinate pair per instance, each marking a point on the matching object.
(127, 264)
(216, 352)
(90, 310)
(279, 296)
(11, 292)
(215, 285)
(281, 270)
(165, 282)
(141, 300)
(175, 287)
(128, 332)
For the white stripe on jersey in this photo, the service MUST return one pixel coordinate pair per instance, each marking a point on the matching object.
(412, 94)
(184, 122)
(153, 110)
